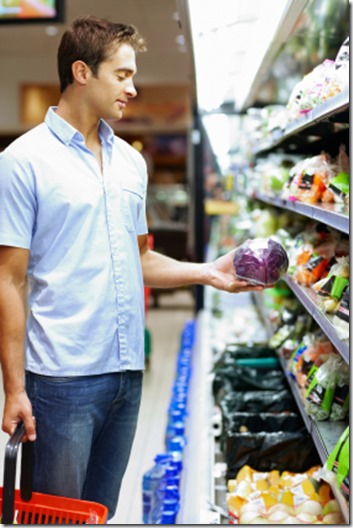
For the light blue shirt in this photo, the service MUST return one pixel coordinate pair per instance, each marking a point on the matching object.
(86, 310)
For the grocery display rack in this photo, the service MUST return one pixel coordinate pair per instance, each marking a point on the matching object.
(307, 297)
(333, 215)
(200, 487)
(335, 109)
(325, 125)
(203, 493)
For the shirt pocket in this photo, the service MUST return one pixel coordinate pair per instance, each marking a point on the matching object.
(132, 205)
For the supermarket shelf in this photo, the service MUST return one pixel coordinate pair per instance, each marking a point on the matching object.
(325, 434)
(198, 484)
(329, 214)
(335, 106)
(332, 107)
(308, 299)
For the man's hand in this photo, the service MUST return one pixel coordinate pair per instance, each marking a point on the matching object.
(18, 408)
(223, 277)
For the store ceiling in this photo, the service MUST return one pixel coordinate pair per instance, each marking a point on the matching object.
(231, 71)
(166, 62)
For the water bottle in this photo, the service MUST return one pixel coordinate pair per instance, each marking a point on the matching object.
(175, 448)
(150, 482)
(167, 493)
(168, 517)
(175, 424)
(161, 498)
(173, 474)
(171, 505)
(178, 404)
(166, 505)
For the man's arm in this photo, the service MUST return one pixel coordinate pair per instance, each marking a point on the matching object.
(13, 271)
(160, 271)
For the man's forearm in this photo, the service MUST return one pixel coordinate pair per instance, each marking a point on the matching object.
(12, 331)
(160, 271)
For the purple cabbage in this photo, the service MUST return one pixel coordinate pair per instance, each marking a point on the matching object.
(260, 261)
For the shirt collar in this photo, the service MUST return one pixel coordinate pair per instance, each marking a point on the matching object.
(68, 134)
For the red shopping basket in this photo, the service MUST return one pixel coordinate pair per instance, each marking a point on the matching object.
(26, 507)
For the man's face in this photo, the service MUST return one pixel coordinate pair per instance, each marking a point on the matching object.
(113, 86)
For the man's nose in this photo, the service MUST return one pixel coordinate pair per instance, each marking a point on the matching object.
(130, 89)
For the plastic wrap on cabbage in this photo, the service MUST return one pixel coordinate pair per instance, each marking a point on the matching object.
(260, 261)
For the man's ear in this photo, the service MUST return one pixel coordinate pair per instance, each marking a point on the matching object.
(80, 71)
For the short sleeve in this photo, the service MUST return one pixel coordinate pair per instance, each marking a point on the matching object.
(17, 201)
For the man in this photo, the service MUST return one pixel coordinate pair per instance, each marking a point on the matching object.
(72, 222)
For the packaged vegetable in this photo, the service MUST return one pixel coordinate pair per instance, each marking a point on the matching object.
(336, 468)
(312, 270)
(260, 261)
(341, 317)
(312, 91)
(330, 289)
(314, 355)
(340, 187)
(319, 394)
(340, 402)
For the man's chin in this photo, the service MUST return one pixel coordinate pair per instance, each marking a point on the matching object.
(113, 120)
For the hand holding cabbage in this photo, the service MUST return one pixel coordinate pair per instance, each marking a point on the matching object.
(220, 275)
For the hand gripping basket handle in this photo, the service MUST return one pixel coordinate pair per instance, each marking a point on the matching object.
(11, 450)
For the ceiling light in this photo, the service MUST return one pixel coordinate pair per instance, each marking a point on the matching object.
(230, 40)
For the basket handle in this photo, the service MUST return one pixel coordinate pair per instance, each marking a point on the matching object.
(11, 450)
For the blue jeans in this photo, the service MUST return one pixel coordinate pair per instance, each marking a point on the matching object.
(85, 430)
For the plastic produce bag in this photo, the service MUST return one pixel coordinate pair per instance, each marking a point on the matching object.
(331, 288)
(340, 78)
(340, 187)
(309, 179)
(341, 317)
(312, 90)
(315, 354)
(336, 468)
(311, 270)
(340, 402)
(321, 388)
(260, 261)
(290, 451)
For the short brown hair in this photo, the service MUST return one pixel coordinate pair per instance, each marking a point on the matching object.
(90, 39)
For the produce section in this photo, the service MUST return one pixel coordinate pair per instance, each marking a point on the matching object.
(302, 203)
(226, 322)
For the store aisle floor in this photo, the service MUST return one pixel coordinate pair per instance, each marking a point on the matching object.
(165, 324)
